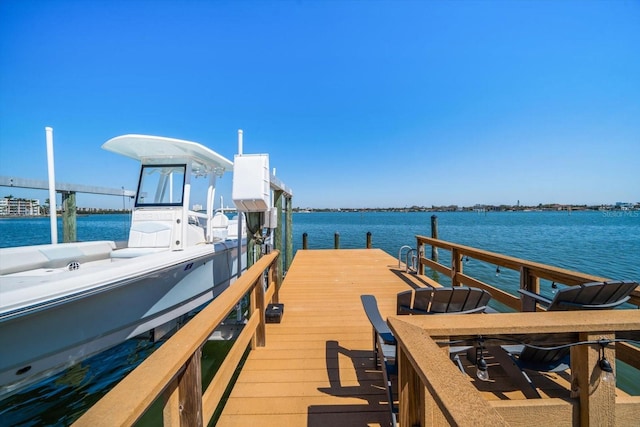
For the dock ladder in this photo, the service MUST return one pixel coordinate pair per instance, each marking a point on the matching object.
(410, 259)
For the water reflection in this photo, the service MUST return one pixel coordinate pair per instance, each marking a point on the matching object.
(62, 398)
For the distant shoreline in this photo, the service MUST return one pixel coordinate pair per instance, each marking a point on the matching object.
(633, 211)
(475, 209)
(58, 216)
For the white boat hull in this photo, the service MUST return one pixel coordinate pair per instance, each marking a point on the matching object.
(61, 303)
(139, 295)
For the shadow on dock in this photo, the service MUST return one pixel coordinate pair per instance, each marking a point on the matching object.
(367, 387)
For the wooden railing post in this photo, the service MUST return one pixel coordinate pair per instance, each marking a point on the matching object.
(275, 281)
(420, 249)
(456, 267)
(411, 392)
(530, 283)
(597, 396)
(190, 392)
(305, 243)
(368, 240)
(258, 309)
(336, 240)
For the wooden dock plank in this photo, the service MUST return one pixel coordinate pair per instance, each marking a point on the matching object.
(321, 378)
(313, 419)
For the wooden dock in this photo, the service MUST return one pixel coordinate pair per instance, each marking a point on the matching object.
(317, 368)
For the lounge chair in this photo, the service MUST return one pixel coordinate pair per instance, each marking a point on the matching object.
(458, 300)
(384, 349)
(588, 296)
(429, 301)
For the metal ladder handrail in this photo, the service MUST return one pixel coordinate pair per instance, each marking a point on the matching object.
(408, 268)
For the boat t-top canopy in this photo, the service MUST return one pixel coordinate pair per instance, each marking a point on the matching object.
(158, 149)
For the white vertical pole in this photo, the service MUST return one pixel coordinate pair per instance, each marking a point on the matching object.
(52, 187)
(186, 203)
(171, 187)
(239, 314)
(211, 194)
(240, 219)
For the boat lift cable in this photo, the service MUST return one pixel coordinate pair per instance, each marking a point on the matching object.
(602, 342)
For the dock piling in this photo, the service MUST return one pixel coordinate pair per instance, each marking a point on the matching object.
(434, 235)
(69, 229)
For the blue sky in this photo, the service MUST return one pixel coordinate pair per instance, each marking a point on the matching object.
(358, 103)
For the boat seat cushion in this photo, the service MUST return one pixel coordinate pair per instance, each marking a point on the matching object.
(150, 234)
(220, 220)
(134, 252)
(23, 258)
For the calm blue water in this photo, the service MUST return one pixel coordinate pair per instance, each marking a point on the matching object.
(36, 231)
(600, 243)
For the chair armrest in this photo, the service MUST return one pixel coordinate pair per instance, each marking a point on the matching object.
(405, 309)
(596, 306)
(402, 309)
(373, 314)
(529, 300)
(480, 309)
(387, 338)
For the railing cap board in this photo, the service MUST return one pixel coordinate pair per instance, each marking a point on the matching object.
(526, 323)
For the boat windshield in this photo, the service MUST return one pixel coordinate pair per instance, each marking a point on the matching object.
(161, 185)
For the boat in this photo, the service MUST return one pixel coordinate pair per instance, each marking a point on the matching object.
(62, 303)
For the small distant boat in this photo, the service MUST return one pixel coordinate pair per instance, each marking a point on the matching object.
(61, 303)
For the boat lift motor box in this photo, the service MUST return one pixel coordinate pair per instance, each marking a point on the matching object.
(273, 313)
(251, 189)
(271, 218)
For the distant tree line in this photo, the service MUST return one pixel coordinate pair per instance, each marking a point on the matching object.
(479, 207)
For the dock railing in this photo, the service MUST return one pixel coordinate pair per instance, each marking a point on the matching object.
(174, 370)
(530, 272)
(433, 392)
(530, 275)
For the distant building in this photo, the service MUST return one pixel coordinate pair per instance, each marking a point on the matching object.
(19, 207)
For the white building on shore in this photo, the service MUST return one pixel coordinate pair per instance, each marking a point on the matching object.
(10, 206)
